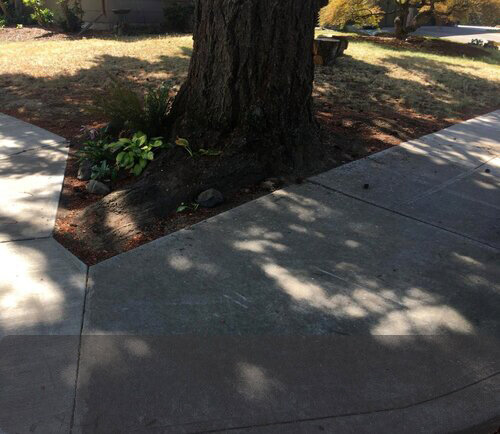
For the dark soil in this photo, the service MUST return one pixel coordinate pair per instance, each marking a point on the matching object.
(28, 33)
(346, 135)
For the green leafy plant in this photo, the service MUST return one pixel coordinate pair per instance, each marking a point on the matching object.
(183, 143)
(134, 154)
(103, 171)
(209, 152)
(125, 107)
(3, 22)
(19, 26)
(71, 15)
(42, 15)
(157, 103)
(95, 151)
(193, 206)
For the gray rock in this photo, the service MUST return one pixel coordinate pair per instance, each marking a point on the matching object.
(210, 198)
(271, 184)
(97, 187)
(85, 170)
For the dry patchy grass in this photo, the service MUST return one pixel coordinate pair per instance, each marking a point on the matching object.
(50, 81)
(56, 79)
(376, 77)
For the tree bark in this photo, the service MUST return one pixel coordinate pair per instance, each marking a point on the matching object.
(251, 77)
(402, 12)
(4, 9)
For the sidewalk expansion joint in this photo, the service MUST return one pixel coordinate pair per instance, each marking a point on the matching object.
(353, 414)
(393, 211)
(73, 410)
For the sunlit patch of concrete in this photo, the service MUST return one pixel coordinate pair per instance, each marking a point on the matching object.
(423, 320)
(255, 383)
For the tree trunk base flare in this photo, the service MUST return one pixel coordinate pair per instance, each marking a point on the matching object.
(248, 94)
(327, 49)
(250, 79)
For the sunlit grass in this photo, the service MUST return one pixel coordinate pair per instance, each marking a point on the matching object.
(57, 77)
(373, 75)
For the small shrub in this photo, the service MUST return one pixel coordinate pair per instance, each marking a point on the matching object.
(42, 15)
(179, 15)
(95, 151)
(3, 22)
(103, 171)
(128, 110)
(157, 104)
(71, 16)
(134, 154)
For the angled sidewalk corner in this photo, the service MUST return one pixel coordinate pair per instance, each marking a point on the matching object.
(42, 285)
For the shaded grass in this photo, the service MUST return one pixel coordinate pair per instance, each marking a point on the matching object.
(374, 76)
(49, 80)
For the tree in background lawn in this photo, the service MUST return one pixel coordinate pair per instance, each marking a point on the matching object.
(410, 14)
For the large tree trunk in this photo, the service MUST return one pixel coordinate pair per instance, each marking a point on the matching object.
(251, 77)
(4, 9)
(402, 13)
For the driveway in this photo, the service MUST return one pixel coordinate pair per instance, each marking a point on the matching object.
(463, 34)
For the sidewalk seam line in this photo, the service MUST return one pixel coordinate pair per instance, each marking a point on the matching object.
(72, 420)
(25, 239)
(482, 243)
(361, 413)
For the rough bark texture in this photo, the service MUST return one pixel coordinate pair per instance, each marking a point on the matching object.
(248, 93)
(251, 77)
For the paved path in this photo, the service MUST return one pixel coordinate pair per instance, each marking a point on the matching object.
(462, 34)
(365, 300)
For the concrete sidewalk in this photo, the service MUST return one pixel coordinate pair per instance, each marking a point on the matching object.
(365, 300)
(42, 285)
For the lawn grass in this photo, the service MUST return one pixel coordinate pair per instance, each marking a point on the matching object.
(375, 76)
(49, 82)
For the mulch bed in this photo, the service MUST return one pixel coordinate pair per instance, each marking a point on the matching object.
(28, 33)
(347, 135)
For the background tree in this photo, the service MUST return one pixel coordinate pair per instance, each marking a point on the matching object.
(475, 12)
(340, 13)
(410, 14)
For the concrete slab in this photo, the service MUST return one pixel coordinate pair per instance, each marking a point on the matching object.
(301, 261)
(42, 289)
(30, 186)
(449, 179)
(182, 384)
(37, 383)
(17, 136)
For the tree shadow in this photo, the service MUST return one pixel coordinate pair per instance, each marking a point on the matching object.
(253, 306)
(307, 264)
